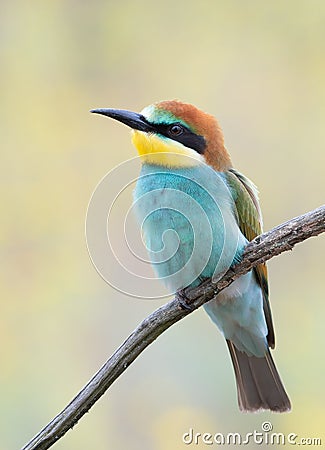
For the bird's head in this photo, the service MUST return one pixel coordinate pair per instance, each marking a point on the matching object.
(165, 132)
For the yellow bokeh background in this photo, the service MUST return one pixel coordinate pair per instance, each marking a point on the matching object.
(260, 68)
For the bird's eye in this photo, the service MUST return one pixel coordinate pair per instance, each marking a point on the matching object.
(176, 130)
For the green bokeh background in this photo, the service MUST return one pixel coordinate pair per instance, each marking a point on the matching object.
(259, 67)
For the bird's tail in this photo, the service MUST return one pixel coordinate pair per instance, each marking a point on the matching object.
(258, 383)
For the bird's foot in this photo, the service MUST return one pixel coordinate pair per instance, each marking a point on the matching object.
(183, 300)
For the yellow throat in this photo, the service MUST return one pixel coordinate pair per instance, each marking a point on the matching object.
(164, 152)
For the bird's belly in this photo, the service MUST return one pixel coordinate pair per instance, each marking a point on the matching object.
(179, 257)
(238, 313)
(190, 232)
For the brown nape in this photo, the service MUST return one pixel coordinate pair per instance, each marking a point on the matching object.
(206, 125)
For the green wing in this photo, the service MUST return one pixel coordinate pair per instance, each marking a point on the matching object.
(250, 223)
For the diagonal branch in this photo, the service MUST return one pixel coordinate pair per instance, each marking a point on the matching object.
(262, 248)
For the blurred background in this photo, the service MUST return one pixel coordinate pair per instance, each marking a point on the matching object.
(260, 68)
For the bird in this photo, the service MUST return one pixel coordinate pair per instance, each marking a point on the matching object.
(197, 214)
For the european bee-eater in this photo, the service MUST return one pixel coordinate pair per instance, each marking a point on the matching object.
(197, 214)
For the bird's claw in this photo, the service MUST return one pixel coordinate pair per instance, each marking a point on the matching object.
(183, 300)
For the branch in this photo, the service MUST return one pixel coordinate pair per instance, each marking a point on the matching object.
(262, 248)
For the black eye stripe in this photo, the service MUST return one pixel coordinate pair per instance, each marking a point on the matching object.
(185, 137)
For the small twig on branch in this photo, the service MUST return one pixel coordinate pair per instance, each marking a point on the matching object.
(262, 248)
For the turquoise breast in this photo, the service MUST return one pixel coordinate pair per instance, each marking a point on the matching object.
(188, 223)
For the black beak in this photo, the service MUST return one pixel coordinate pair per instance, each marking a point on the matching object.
(129, 118)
